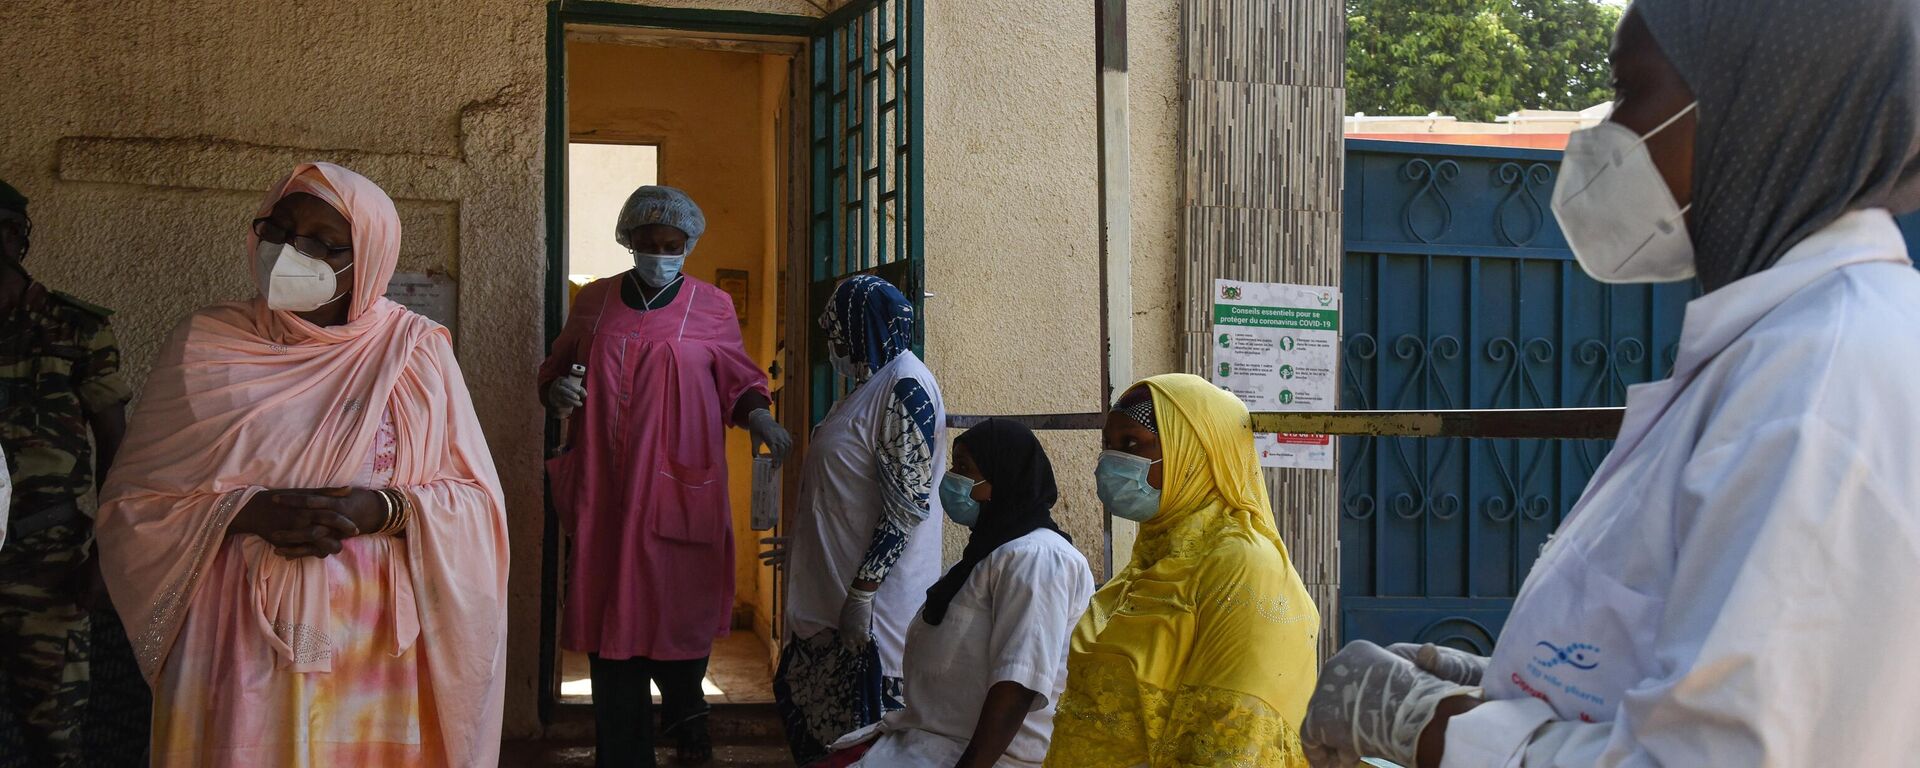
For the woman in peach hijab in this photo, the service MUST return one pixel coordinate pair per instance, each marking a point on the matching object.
(304, 534)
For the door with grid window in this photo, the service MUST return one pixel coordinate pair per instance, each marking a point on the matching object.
(865, 69)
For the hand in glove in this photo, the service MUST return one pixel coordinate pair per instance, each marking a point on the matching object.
(776, 554)
(566, 393)
(856, 619)
(1445, 663)
(1371, 702)
(767, 431)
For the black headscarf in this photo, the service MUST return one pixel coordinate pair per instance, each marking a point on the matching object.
(1009, 457)
(1808, 111)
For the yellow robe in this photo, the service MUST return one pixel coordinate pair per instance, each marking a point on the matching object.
(1201, 652)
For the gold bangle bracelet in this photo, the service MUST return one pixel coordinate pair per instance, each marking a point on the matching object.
(393, 502)
(387, 501)
(405, 504)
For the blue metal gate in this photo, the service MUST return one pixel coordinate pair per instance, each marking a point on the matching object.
(1461, 293)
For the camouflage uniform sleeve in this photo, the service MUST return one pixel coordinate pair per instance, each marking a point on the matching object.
(98, 381)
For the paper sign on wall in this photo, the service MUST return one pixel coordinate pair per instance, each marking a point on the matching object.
(1276, 347)
(434, 294)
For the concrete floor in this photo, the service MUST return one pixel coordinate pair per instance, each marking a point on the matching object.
(744, 736)
(525, 754)
(737, 673)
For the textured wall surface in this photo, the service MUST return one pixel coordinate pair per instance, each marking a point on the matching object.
(1013, 218)
(1263, 194)
(145, 134)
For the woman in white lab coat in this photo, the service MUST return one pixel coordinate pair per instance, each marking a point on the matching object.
(989, 650)
(1734, 587)
(866, 541)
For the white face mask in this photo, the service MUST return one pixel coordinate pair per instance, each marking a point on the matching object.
(293, 281)
(1616, 210)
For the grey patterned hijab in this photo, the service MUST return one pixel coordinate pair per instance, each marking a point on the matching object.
(1809, 110)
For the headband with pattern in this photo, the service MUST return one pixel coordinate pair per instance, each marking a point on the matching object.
(1142, 412)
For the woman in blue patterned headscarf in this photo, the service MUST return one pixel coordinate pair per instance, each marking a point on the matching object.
(866, 544)
(869, 323)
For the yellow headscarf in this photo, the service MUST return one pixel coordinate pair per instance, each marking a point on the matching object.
(1201, 651)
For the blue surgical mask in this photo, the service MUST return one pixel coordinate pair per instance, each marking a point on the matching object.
(1121, 481)
(956, 497)
(658, 270)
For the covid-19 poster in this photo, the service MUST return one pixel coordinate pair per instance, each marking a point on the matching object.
(1277, 348)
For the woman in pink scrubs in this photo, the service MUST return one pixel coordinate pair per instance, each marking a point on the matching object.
(642, 485)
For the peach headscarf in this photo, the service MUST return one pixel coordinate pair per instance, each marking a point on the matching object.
(245, 399)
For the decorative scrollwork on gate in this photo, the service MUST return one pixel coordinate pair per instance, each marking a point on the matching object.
(1522, 185)
(1422, 466)
(1518, 383)
(1431, 176)
(1459, 633)
(1361, 353)
(1515, 466)
(1607, 387)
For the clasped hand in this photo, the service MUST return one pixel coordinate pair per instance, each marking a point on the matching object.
(310, 522)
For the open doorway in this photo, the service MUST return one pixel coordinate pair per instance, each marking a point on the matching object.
(823, 117)
(714, 119)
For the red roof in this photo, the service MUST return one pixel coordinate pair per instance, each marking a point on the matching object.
(1526, 140)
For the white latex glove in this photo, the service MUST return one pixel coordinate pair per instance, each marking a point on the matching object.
(1449, 664)
(856, 619)
(767, 431)
(565, 394)
(776, 554)
(1371, 702)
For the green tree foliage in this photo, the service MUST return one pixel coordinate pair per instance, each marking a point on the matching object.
(1477, 59)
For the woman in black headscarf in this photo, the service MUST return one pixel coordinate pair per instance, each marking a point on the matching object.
(1725, 590)
(989, 651)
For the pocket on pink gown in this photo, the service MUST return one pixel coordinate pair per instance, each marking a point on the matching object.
(690, 503)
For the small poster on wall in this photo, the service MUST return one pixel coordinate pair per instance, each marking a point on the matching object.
(735, 282)
(1277, 349)
(434, 294)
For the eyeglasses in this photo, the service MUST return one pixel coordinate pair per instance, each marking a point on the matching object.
(271, 232)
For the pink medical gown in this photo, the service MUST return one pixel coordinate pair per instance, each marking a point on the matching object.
(642, 485)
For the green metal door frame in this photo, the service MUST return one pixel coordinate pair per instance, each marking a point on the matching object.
(866, 132)
(560, 14)
(870, 101)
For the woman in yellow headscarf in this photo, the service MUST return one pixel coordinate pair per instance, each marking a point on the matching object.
(1200, 652)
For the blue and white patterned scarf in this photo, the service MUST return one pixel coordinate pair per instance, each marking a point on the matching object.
(872, 319)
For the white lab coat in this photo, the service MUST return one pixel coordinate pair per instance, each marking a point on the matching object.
(1735, 586)
(841, 505)
(1012, 621)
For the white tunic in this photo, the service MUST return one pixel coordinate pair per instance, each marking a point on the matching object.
(1012, 621)
(1735, 587)
(841, 502)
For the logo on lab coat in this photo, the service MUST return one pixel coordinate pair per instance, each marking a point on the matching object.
(1579, 656)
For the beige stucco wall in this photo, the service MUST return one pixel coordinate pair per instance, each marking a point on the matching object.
(145, 132)
(1013, 219)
